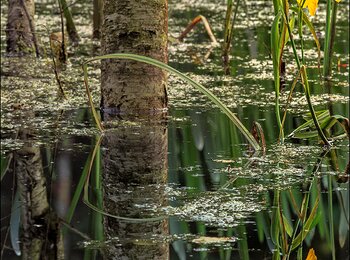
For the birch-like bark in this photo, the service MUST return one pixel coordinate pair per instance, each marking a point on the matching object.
(138, 27)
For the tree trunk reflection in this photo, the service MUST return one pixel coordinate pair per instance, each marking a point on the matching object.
(134, 178)
(41, 237)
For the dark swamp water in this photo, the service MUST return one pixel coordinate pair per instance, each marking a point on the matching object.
(192, 173)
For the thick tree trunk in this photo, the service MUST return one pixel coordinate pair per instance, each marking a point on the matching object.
(20, 23)
(134, 179)
(134, 159)
(138, 27)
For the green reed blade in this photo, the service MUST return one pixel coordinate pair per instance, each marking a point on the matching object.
(300, 30)
(92, 106)
(295, 200)
(311, 108)
(291, 24)
(319, 113)
(313, 32)
(309, 224)
(331, 17)
(275, 51)
(287, 104)
(97, 218)
(242, 242)
(78, 190)
(227, 24)
(166, 67)
(287, 226)
(286, 21)
(320, 117)
(275, 226)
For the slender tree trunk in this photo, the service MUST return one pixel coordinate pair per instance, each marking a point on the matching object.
(97, 19)
(138, 27)
(135, 175)
(20, 23)
(72, 31)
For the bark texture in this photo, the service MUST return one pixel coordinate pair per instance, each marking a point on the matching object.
(138, 27)
(20, 38)
(135, 175)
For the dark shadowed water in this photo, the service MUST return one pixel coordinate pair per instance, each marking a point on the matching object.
(205, 193)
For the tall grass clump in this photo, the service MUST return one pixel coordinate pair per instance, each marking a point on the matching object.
(331, 18)
(281, 33)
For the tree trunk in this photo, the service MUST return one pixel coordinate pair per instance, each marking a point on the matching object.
(134, 159)
(72, 31)
(138, 27)
(134, 179)
(20, 26)
(97, 19)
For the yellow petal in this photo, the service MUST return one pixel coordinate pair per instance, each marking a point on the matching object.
(312, 6)
(311, 255)
(337, 1)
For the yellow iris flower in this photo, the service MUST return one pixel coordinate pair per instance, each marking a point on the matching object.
(311, 255)
(310, 4)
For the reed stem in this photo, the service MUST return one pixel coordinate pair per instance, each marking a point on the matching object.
(329, 40)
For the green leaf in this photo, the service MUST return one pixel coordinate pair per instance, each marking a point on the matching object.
(312, 30)
(276, 51)
(309, 224)
(310, 123)
(326, 123)
(275, 227)
(287, 226)
(291, 24)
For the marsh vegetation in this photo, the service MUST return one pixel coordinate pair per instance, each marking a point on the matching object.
(243, 153)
